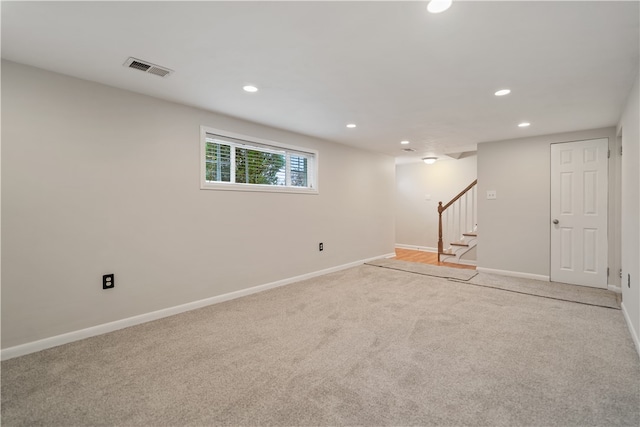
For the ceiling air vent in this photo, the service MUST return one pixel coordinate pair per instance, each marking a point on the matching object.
(409, 150)
(147, 67)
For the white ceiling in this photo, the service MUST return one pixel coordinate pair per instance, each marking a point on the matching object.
(395, 70)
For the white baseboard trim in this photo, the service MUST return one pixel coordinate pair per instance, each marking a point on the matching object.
(467, 262)
(513, 274)
(45, 343)
(613, 288)
(634, 334)
(417, 248)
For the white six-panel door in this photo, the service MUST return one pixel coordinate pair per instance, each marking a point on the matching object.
(579, 212)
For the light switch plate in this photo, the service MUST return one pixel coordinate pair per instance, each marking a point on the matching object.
(492, 195)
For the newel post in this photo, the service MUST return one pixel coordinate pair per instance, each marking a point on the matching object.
(440, 244)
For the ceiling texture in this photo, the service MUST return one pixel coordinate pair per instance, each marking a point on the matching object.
(393, 69)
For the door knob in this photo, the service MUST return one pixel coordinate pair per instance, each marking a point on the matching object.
(556, 222)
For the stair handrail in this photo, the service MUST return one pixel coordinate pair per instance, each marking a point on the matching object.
(443, 208)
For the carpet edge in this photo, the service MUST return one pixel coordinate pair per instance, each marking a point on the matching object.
(425, 274)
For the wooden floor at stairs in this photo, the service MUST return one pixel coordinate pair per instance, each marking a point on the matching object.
(426, 258)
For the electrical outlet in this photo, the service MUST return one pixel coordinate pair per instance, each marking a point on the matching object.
(321, 247)
(108, 281)
(492, 194)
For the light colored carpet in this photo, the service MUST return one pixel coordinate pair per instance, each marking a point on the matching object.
(364, 346)
(425, 269)
(561, 291)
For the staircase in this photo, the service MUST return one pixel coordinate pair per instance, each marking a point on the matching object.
(457, 225)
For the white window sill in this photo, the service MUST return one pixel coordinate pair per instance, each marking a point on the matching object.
(257, 188)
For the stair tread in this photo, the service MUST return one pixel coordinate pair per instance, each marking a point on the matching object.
(448, 252)
(460, 244)
(474, 233)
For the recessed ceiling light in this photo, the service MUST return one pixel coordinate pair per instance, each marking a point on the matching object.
(249, 88)
(429, 160)
(404, 142)
(503, 92)
(437, 6)
(351, 125)
(524, 124)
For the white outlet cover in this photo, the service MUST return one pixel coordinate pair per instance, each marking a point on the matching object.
(492, 195)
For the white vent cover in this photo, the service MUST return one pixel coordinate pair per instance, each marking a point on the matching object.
(147, 67)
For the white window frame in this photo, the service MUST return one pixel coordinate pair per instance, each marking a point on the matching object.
(312, 165)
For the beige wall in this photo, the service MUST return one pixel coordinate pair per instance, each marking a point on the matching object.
(515, 227)
(416, 217)
(98, 180)
(629, 128)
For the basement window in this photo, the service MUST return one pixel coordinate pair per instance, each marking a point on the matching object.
(237, 162)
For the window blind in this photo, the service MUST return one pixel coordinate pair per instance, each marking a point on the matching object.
(236, 161)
